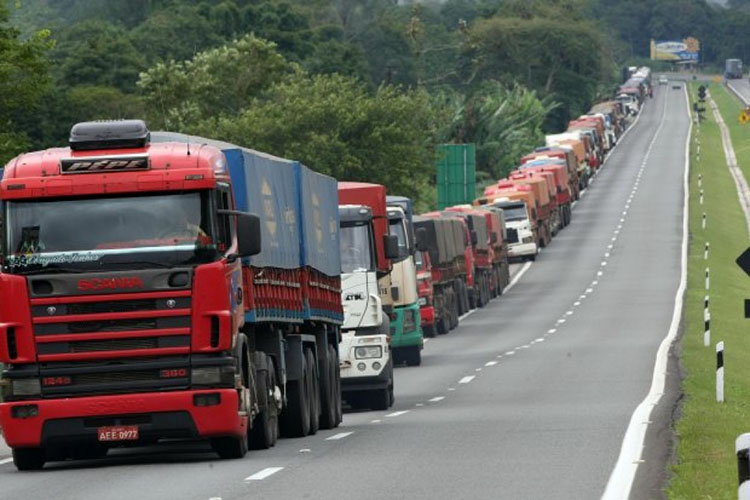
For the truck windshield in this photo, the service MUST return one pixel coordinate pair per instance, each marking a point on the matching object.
(515, 212)
(397, 228)
(108, 232)
(356, 248)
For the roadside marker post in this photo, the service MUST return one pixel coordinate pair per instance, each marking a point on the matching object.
(700, 180)
(742, 450)
(703, 223)
(720, 372)
(701, 198)
(706, 324)
(705, 252)
(708, 280)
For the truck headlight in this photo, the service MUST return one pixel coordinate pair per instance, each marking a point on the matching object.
(527, 239)
(372, 351)
(26, 387)
(410, 322)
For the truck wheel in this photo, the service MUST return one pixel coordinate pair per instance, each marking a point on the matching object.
(329, 386)
(441, 325)
(380, 399)
(314, 391)
(413, 356)
(296, 416)
(428, 331)
(29, 458)
(230, 447)
(337, 386)
(454, 313)
(263, 434)
(464, 298)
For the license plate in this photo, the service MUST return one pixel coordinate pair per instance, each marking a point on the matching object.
(422, 301)
(118, 433)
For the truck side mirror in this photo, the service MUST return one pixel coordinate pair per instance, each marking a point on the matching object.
(390, 242)
(474, 238)
(493, 238)
(422, 239)
(248, 234)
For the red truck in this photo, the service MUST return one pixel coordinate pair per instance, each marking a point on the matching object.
(482, 254)
(425, 292)
(142, 301)
(444, 240)
(562, 185)
(567, 157)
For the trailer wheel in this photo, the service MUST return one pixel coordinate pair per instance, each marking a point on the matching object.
(428, 331)
(263, 433)
(29, 458)
(314, 391)
(330, 385)
(296, 417)
(454, 312)
(413, 356)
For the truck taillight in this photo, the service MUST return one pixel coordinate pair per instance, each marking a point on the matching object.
(173, 373)
(55, 381)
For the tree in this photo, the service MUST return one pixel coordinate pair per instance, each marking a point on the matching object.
(215, 82)
(333, 124)
(566, 57)
(24, 78)
(98, 53)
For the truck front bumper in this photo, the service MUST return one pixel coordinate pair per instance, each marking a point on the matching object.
(522, 250)
(157, 415)
(350, 382)
(412, 337)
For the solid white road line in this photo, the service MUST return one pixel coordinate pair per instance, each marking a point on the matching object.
(517, 277)
(340, 435)
(260, 475)
(466, 379)
(397, 413)
(5, 461)
(621, 480)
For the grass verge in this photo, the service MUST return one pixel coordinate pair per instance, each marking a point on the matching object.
(706, 465)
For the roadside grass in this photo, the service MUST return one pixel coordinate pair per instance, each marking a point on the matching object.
(705, 465)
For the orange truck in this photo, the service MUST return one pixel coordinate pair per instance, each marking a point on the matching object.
(519, 210)
(540, 188)
(562, 155)
(559, 171)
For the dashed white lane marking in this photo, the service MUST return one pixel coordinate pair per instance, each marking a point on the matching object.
(451, 388)
(510, 353)
(5, 461)
(340, 435)
(540, 339)
(525, 346)
(419, 405)
(560, 321)
(466, 379)
(599, 273)
(260, 475)
(551, 330)
(604, 263)
(595, 282)
(376, 421)
(215, 498)
(436, 399)
(397, 413)
(490, 363)
(576, 304)
(477, 369)
(569, 313)
(589, 290)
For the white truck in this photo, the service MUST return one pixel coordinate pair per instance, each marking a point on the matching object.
(365, 353)
(520, 230)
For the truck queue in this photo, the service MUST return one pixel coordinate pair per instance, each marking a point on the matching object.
(259, 299)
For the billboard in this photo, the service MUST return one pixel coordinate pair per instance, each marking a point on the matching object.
(687, 50)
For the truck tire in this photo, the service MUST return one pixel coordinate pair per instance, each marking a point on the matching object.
(264, 432)
(464, 298)
(296, 416)
(314, 391)
(428, 331)
(230, 447)
(380, 399)
(454, 313)
(29, 458)
(330, 392)
(413, 356)
(441, 325)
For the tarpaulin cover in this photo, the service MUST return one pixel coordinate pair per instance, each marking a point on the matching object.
(320, 213)
(434, 238)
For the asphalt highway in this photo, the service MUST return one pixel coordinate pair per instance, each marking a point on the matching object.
(529, 398)
(742, 87)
